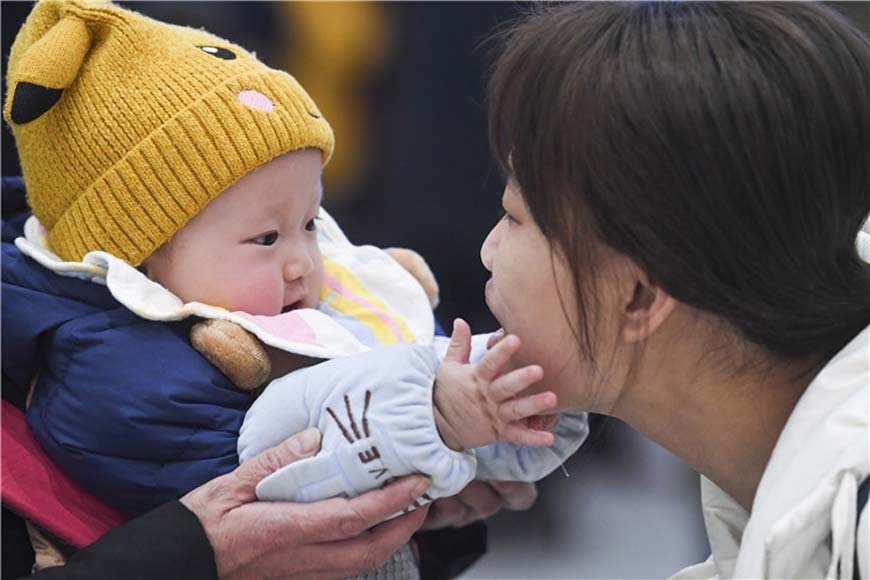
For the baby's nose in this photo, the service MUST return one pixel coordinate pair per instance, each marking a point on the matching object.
(256, 100)
(298, 267)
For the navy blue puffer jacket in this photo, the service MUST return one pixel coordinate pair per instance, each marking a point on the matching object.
(125, 405)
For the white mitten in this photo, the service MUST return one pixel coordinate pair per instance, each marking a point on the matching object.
(374, 410)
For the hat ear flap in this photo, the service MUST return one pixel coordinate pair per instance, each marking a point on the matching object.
(48, 67)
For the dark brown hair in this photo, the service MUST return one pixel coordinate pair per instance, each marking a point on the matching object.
(724, 147)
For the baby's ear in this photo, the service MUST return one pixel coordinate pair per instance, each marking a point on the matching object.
(46, 69)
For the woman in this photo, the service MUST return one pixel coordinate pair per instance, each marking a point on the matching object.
(686, 184)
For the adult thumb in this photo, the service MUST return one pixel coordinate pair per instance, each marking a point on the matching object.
(460, 343)
(301, 445)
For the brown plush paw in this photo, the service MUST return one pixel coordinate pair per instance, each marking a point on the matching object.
(419, 269)
(232, 349)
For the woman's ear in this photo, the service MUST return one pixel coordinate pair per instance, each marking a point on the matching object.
(646, 307)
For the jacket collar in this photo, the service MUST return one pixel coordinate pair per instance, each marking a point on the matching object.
(824, 444)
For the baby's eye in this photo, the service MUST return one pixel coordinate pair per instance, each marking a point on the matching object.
(266, 239)
(218, 52)
(311, 226)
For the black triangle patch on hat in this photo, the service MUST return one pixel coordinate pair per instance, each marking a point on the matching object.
(31, 101)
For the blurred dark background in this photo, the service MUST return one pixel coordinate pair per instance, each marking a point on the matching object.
(403, 86)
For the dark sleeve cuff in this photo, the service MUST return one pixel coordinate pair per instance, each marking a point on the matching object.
(168, 542)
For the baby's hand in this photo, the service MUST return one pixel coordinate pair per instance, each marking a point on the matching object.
(475, 404)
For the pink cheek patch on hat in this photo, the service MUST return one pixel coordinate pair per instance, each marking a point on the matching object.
(256, 100)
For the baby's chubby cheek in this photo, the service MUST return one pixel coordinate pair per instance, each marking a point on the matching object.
(256, 295)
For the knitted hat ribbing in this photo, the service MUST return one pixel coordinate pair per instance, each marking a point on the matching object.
(126, 127)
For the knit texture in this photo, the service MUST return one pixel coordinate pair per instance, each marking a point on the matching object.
(401, 566)
(126, 127)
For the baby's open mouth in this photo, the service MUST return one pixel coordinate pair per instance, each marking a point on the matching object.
(295, 306)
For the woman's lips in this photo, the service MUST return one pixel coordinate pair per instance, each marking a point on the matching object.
(488, 297)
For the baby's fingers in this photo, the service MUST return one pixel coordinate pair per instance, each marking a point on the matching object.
(490, 366)
(519, 434)
(513, 383)
(460, 343)
(516, 409)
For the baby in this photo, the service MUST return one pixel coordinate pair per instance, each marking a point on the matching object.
(183, 177)
(254, 249)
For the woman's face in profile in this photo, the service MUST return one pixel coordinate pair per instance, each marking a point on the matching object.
(526, 293)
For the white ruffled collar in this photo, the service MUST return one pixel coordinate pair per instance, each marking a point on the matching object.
(367, 299)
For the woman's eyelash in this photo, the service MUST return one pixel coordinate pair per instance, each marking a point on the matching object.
(504, 215)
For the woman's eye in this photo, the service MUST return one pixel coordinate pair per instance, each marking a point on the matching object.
(507, 217)
(311, 226)
(266, 239)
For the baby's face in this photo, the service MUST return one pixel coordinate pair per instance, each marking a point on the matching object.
(254, 247)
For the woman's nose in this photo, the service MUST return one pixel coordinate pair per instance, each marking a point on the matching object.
(490, 246)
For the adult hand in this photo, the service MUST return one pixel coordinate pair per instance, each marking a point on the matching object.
(334, 538)
(479, 500)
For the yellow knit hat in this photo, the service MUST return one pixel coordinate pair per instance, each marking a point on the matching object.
(127, 127)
